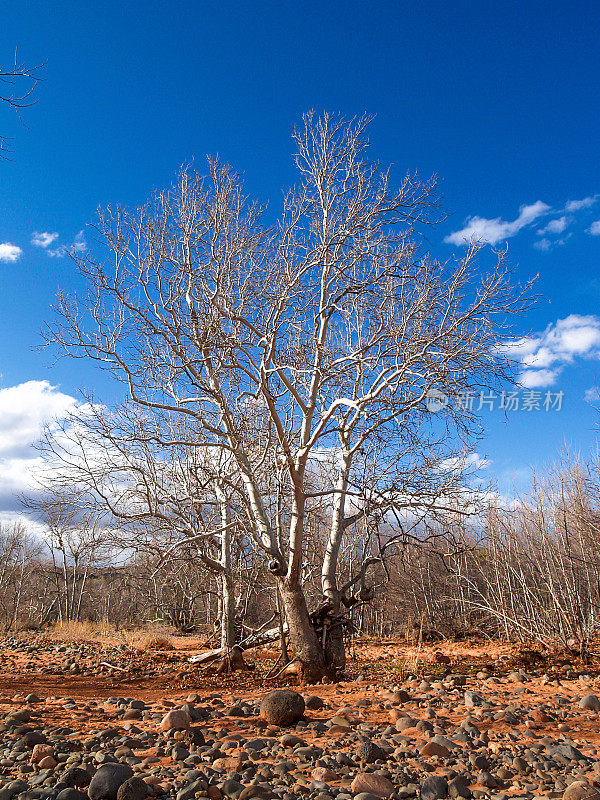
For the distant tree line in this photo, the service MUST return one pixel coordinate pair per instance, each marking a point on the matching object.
(520, 571)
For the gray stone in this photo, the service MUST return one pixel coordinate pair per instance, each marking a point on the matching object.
(472, 699)
(434, 788)
(590, 702)
(70, 793)
(107, 780)
(313, 702)
(581, 790)
(458, 787)
(133, 789)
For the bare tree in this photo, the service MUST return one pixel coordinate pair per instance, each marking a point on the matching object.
(534, 572)
(21, 81)
(155, 490)
(335, 327)
(76, 543)
(19, 553)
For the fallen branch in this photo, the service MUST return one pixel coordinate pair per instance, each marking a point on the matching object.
(113, 666)
(271, 635)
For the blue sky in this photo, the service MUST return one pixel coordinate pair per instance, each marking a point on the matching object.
(500, 99)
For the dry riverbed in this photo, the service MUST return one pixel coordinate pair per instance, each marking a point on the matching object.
(106, 721)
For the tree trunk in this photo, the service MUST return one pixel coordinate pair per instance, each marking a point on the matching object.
(233, 658)
(227, 587)
(303, 636)
(282, 632)
(318, 644)
(335, 649)
(227, 612)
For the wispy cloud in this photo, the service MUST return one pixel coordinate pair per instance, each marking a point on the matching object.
(78, 245)
(578, 205)
(592, 395)
(543, 356)
(43, 239)
(9, 252)
(546, 244)
(492, 231)
(467, 462)
(556, 225)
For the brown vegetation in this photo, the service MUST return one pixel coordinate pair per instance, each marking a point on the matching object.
(524, 572)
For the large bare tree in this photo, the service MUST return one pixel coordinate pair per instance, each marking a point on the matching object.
(307, 353)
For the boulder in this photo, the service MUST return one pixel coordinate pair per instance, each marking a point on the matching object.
(259, 791)
(581, 790)
(70, 793)
(472, 699)
(368, 752)
(228, 764)
(175, 720)
(133, 789)
(313, 702)
(41, 751)
(434, 749)
(371, 783)
(590, 702)
(107, 780)
(76, 777)
(434, 788)
(323, 774)
(458, 787)
(282, 707)
(404, 723)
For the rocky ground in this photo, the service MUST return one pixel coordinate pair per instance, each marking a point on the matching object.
(102, 721)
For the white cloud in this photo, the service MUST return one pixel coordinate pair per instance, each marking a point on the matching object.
(43, 239)
(594, 228)
(548, 244)
(24, 410)
(538, 378)
(78, 245)
(592, 395)
(495, 230)
(543, 244)
(9, 252)
(492, 231)
(15, 518)
(556, 225)
(543, 355)
(578, 205)
(16, 476)
(470, 462)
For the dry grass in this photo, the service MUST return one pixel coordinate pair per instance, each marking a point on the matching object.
(85, 631)
(148, 640)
